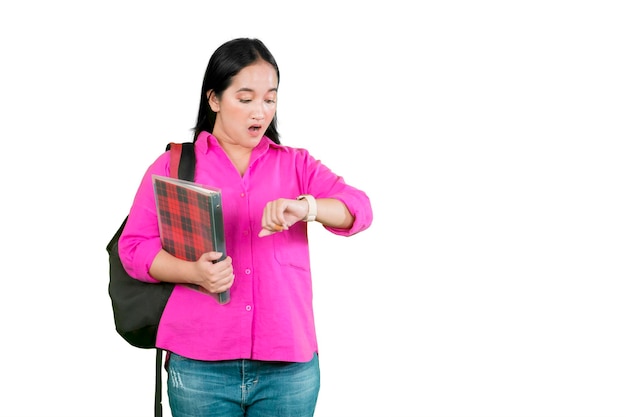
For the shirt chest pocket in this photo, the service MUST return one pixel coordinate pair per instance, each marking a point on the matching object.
(291, 247)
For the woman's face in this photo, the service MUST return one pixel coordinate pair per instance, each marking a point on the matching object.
(247, 106)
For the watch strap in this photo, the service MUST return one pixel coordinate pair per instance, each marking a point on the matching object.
(312, 214)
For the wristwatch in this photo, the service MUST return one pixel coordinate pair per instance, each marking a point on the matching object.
(310, 217)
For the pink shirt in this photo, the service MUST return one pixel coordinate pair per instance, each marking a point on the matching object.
(270, 314)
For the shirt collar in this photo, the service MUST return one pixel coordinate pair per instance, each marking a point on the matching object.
(206, 140)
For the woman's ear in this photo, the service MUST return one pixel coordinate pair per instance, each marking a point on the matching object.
(214, 103)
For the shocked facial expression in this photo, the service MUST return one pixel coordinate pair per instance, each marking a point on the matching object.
(247, 107)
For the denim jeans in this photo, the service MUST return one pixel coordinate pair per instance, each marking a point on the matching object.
(242, 388)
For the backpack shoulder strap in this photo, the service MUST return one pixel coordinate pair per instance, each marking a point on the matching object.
(182, 160)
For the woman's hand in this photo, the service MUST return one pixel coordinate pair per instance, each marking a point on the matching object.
(214, 277)
(280, 214)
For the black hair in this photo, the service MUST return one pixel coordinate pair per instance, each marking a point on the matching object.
(226, 62)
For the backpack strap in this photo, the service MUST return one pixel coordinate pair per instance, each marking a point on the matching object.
(182, 160)
(158, 406)
(183, 166)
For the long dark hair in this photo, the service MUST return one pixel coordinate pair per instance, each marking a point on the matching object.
(226, 62)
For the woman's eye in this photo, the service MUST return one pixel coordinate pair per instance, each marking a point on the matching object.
(270, 101)
(245, 100)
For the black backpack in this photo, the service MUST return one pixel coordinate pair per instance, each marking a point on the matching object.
(138, 306)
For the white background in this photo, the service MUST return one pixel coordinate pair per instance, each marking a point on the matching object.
(489, 136)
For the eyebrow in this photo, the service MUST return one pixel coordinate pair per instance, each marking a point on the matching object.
(246, 89)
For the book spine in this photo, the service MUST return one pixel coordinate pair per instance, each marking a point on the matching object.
(217, 221)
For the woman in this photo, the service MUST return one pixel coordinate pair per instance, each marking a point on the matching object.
(256, 355)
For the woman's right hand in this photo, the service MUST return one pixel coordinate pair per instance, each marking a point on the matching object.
(215, 277)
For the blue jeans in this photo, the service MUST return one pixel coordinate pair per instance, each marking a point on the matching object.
(242, 388)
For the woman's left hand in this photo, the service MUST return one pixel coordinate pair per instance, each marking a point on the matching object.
(279, 215)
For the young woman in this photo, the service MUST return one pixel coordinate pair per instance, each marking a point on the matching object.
(257, 355)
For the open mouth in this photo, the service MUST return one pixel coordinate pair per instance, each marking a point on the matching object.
(254, 128)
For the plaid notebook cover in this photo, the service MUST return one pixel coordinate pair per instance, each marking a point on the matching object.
(186, 218)
(191, 221)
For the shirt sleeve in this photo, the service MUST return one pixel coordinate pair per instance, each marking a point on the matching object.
(321, 182)
(140, 242)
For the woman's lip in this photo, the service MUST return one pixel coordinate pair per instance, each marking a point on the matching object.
(254, 130)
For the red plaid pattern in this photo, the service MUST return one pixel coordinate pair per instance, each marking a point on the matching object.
(189, 217)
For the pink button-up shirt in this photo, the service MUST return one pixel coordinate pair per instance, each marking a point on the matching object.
(270, 315)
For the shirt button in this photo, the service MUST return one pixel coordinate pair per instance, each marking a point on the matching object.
(242, 194)
(248, 308)
(246, 232)
(247, 271)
